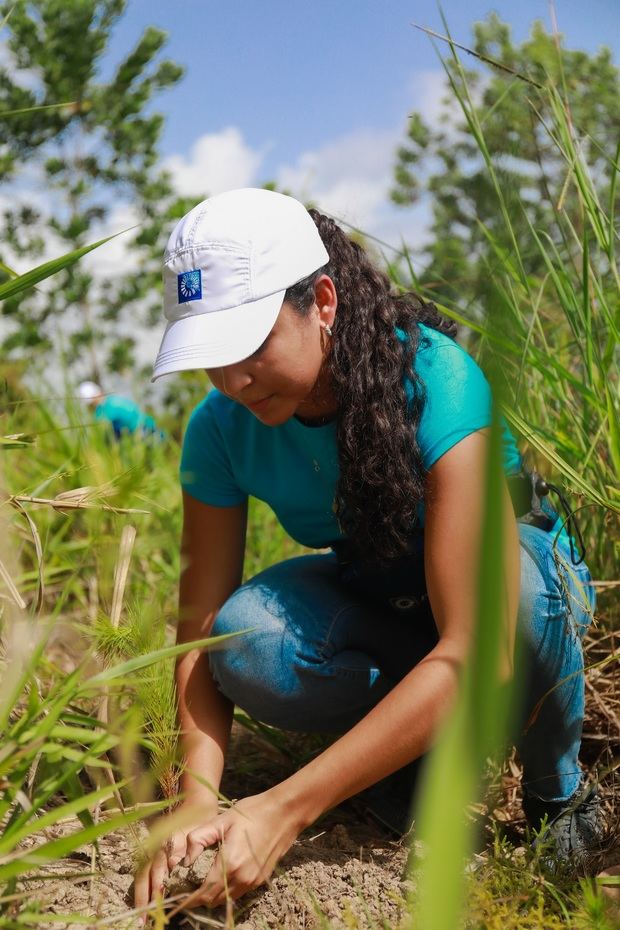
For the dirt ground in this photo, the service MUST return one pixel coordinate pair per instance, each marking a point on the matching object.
(339, 874)
(346, 868)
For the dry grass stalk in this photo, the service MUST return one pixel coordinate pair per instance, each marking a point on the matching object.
(67, 503)
(121, 571)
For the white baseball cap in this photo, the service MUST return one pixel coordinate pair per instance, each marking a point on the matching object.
(88, 390)
(227, 266)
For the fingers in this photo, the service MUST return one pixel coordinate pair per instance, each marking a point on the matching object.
(142, 887)
(149, 881)
(204, 837)
(176, 849)
(225, 881)
(159, 873)
(211, 891)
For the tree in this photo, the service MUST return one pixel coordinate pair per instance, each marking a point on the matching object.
(524, 191)
(92, 147)
(444, 163)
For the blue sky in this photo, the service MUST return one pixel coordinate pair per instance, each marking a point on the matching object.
(291, 75)
(316, 95)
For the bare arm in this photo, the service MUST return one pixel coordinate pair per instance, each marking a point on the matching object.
(402, 726)
(212, 548)
(259, 829)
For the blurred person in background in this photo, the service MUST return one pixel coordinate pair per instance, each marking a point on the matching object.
(123, 414)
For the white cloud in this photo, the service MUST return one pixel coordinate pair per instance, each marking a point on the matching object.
(216, 162)
(116, 256)
(350, 179)
(433, 98)
(347, 177)
(428, 88)
(23, 77)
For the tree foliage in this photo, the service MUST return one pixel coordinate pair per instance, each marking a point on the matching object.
(443, 162)
(523, 189)
(74, 148)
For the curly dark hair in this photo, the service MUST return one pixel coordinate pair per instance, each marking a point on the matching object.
(381, 472)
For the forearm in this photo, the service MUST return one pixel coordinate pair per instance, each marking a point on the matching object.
(399, 729)
(212, 547)
(204, 717)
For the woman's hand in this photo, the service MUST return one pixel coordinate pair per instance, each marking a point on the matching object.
(253, 835)
(149, 881)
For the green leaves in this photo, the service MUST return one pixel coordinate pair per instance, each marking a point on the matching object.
(474, 731)
(523, 252)
(48, 739)
(124, 669)
(109, 164)
(549, 453)
(28, 280)
(524, 258)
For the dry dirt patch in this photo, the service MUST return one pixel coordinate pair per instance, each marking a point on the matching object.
(345, 868)
(344, 873)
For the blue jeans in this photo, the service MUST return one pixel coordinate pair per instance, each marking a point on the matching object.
(330, 638)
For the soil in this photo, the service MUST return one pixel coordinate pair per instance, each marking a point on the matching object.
(331, 875)
(346, 869)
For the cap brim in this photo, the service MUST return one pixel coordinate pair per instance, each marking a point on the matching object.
(213, 340)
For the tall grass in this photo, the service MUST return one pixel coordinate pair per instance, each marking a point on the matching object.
(555, 340)
(66, 492)
(71, 493)
(555, 336)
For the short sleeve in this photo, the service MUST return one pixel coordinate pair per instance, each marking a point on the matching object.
(205, 471)
(457, 402)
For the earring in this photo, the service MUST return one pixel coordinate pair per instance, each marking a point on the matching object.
(328, 330)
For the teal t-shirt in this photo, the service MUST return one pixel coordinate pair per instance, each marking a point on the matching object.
(124, 415)
(229, 454)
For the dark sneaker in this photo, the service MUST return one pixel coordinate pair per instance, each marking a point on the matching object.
(573, 829)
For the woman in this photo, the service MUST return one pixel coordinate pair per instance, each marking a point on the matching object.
(355, 415)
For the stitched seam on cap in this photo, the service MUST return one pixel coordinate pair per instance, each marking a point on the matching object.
(251, 264)
(197, 219)
(193, 352)
(211, 246)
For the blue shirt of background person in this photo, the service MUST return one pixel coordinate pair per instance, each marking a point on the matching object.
(123, 414)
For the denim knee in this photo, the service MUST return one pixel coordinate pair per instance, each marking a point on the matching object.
(250, 667)
(281, 668)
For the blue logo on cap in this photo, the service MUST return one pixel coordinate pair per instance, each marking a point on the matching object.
(189, 285)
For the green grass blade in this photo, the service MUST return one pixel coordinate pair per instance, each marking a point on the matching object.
(47, 106)
(143, 661)
(474, 730)
(57, 849)
(30, 278)
(51, 817)
(557, 461)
